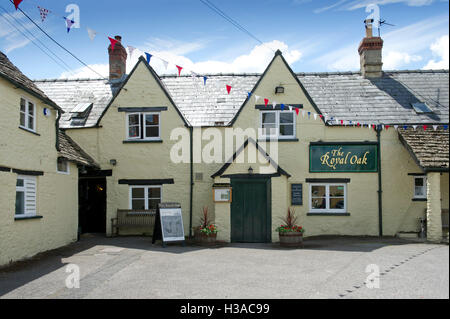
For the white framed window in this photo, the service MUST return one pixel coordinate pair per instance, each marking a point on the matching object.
(27, 114)
(420, 187)
(62, 166)
(143, 126)
(145, 197)
(328, 198)
(279, 124)
(25, 196)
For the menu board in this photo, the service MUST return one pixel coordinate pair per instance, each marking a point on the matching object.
(296, 194)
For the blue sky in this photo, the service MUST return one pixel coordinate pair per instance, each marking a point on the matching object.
(314, 35)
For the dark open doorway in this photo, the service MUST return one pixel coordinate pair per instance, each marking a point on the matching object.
(92, 205)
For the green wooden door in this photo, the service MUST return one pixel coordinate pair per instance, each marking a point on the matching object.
(250, 210)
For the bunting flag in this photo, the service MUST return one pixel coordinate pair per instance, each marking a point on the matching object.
(303, 113)
(69, 23)
(266, 101)
(149, 56)
(249, 95)
(113, 42)
(290, 108)
(204, 80)
(396, 127)
(297, 110)
(446, 127)
(274, 104)
(179, 69)
(131, 50)
(43, 12)
(228, 88)
(414, 127)
(16, 3)
(315, 116)
(435, 127)
(425, 127)
(257, 98)
(282, 106)
(91, 34)
(166, 65)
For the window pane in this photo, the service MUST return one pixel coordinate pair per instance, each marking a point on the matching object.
(268, 118)
(318, 191)
(419, 181)
(337, 191)
(22, 119)
(153, 203)
(151, 119)
(22, 105)
(318, 203)
(419, 191)
(30, 123)
(337, 203)
(154, 192)
(138, 192)
(20, 203)
(20, 182)
(152, 131)
(286, 118)
(133, 131)
(30, 108)
(133, 119)
(286, 130)
(138, 204)
(62, 165)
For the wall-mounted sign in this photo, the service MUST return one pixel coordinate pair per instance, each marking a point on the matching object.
(296, 194)
(222, 195)
(338, 158)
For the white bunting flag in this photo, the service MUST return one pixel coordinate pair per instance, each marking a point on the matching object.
(131, 50)
(290, 108)
(257, 98)
(435, 127)
(274, 104)
(92, 34)
(315, 116)
(414, 127)
(166, 64)
(396, 127)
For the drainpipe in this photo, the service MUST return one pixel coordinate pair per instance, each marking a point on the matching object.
(57, 130)
(380, 187)
(191, 163)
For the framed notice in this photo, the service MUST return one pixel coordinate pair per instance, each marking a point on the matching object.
(169, 223)
(297, 194)
(222, 195)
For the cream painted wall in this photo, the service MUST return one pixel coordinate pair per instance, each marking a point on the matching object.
(57, 194)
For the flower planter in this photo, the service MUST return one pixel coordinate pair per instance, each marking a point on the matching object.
(204, 239)
(291, 239)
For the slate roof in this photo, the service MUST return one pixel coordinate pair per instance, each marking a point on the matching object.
(70, 93)
(428, 147)
(12, 74)
(386, 100)
(344, 96)
(70, 150)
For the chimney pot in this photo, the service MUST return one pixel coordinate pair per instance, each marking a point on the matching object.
(118, 38)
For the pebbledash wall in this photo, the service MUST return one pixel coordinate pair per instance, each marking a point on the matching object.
(152, 161)
(57, 212)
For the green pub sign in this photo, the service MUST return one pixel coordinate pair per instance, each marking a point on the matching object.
(343, 157)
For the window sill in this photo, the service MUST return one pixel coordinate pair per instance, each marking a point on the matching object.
(327, 214)
(419, 199)
(29, 131)
(142, 141)
(276, 139)
(17, 217)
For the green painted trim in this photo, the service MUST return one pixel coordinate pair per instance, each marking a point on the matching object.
(419, 199)
(27, 217)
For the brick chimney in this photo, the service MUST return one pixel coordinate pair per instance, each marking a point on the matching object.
(370, 50)
(117, 60)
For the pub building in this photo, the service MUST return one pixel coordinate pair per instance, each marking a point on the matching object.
(357, 153)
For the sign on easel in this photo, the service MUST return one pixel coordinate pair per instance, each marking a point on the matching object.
(168, 224)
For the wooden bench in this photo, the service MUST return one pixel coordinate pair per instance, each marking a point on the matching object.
(128, 218)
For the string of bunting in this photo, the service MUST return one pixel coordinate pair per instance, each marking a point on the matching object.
(44, 12)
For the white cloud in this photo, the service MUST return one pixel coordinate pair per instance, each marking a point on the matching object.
(10, 37)
(395, 60)
(255, 61)
(440, 49)
(358, 4)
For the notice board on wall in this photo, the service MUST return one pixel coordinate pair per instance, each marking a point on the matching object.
(169, 223)
(297, 194)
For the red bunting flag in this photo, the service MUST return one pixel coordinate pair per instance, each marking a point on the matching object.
(358, 124)
(16, 3)
(266, 101)
(425, 127)
(297, 110)
(321, 116)
(342, 122)
(387, 127)
(228, 89)
(179, 69)
(113, 42)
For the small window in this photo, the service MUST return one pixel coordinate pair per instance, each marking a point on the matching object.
(62, 166)
(25, 196)
(280, 124)
(421, 108)
(420, 187)
(143, 126)
(328, 198)
(145, 197)
(27, 115)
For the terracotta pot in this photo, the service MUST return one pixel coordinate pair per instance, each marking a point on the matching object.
(291, 239)
(203, 238)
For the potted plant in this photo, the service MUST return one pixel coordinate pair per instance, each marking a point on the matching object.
(291, 235)
(206, 233)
